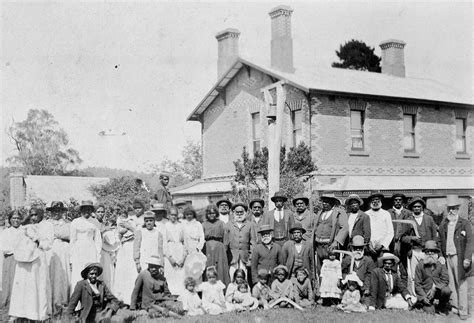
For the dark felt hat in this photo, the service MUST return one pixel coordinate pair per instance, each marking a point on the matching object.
(416, 199)
(297, 226)
(246, 208)
(376, 194)
(353, 197)
(224, 200)
(57, 206)
(302, 198)
(89, 266)
(279, 195)
(265, 228)
(331, 197)
(431, 245)
(403, 196)
(262, 202)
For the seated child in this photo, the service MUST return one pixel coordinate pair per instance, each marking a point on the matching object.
(239, 277)
(95, 297)
(151, 287)
(302, 289)
(192, 304)
(282, 289)
(243, 299)
(351, 298)
(213, 300)
(331, 275)
(261, 291)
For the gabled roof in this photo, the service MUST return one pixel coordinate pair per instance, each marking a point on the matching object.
(347, 82)
(203, 187)
(61, 188)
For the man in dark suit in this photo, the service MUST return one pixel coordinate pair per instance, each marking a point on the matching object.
(297, 252)
(279, 219)
(398, 212)
(387, 289)
(358, 221)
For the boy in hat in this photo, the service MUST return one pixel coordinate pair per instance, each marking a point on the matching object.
(296, 253)
(162, 194)
(256, 217)
(411, 250)
(363, 265)
(330, 230)
(381, 227)
(239, 239)
(280, 219)
(224, 206)
(456, 245)
(386, 287)
(151, 287)
(96, 299)
(266, 255)
(358, 221)
(431, 281)
(303, 215)
(148, 242)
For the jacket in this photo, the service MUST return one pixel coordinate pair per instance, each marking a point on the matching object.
(340, 228)
(307, 222)
(363, 271)
(240, 242)
(288, 253)
(269, 218)
(379, 286)
(427, 275)
(398, 226)
(83, 293)
(265, 258)
(361, 227)
(463, 243)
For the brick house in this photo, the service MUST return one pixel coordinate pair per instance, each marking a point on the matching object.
(367, 131)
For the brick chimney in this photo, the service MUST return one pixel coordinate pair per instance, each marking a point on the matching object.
(227, 49)
(17, 190)
(393, 57)
(282, 43)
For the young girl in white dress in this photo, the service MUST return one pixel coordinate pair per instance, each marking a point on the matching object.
(213, 300)
(331, 275)
(192, 304)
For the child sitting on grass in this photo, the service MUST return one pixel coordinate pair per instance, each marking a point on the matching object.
(331, 274)
(351, 299)
(213, 300)
(243, 299)
(261, 290)
(282, 289)
(192, 304)
(302, 289)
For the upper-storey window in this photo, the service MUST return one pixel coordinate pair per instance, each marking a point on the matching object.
(357, 129)
(409, 127)
(460, 135)
(256, 131)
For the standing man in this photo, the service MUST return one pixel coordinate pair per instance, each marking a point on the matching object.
(456, 246)
(330, 229)
(412, 245)
(256, 216)
(279, 219)
(224, 206)
(358, 221)
(304, 216)
(162, 194)
(381, 227)
(398, 212)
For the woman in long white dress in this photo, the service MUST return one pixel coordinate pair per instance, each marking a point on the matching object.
(174, 253)
(86, 242)
(59, 261)
(125, 269)
(31, 291)
(110, 247)
(193, 232)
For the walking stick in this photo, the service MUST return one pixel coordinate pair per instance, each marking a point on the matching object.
(349, 254)
(285, 299)
(166, 311)
(410, 222)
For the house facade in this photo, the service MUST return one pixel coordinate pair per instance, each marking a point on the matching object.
(367, 131)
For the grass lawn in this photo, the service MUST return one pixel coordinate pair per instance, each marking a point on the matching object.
(321, 314)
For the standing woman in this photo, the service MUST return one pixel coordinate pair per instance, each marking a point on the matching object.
(31, 291)
(8, 241)
(59, 268)
(110, 246)
(214, 248)
(174, 253)
(86, 242)
(193, 231)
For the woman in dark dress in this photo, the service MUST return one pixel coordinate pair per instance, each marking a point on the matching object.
(214, 247)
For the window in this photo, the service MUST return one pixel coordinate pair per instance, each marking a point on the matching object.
(357, 129)
(256, 131)
(460, 135)
(409, 132)
(297, 121)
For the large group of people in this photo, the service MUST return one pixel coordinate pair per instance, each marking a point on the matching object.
(159, 258)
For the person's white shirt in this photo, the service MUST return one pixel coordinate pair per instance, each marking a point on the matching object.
(381, 227)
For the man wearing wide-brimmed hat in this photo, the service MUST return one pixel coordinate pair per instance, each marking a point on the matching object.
(381, 226)
(223, 206)
(457, 246)
(303, 215)
(256, 215)
(162, 194)
(398, 212)
(280, 219)
(386, 288)
(330, 229)
(412, 244)
(358, 221)
(431, 281)
(266, 255)
(296, 252)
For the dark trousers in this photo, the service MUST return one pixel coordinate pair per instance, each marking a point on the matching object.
(439, 303)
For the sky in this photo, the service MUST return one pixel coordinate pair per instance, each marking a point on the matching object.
(142, 67)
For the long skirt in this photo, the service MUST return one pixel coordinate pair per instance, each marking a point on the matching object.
(175, 275)
(60, 274)
(125, 273)
(216, 256)
(31, 291)
(107, 260)
(83, 251)
(8, 273)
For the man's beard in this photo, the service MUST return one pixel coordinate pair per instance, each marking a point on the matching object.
(376, 206)
(358, 254)
(452, 217)
(430, 259)
(266, 240)
(256, 214)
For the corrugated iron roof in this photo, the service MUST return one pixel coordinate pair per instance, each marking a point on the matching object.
(203, 187)
(348, 82)
(61, 188)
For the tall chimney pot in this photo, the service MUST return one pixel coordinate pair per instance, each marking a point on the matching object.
(282, 42)
(227, 49)
(393, 57)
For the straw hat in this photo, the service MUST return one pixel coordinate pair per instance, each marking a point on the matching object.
(389, 256)
(89, 266)
(354, 197)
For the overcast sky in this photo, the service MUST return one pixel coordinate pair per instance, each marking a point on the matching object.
(142, 67)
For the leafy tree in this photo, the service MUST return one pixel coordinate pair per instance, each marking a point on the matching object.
(43, 146)
(356, 55)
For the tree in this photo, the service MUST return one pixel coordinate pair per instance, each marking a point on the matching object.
(356, 55)
(43, 146)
